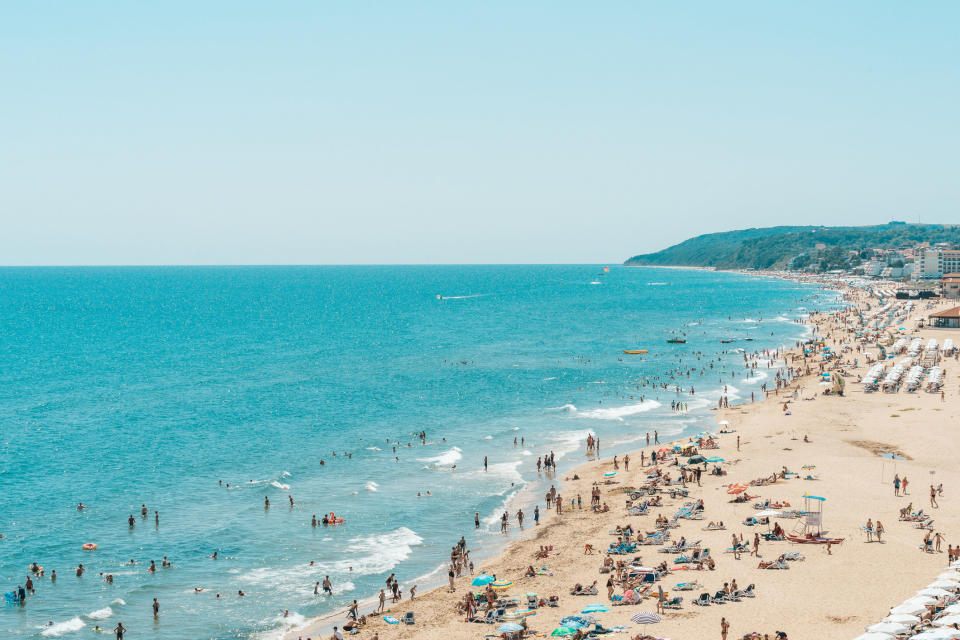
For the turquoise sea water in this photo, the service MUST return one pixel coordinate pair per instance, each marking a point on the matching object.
(130, 386)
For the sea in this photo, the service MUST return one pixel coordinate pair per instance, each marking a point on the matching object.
(159, 387)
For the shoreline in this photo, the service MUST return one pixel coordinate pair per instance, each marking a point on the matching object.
(322, 626)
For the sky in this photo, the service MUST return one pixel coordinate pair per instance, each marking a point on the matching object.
(462, 132)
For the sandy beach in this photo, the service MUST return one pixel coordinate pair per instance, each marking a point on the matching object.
(825, 595)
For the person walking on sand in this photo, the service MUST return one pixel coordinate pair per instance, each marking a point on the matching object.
(903, 485)
(724, 628)
(933, 497)
(756, 545)
(383, 599)
(536, 515)
(896, 484)
(878, 531)
(868, 529)
(450, 577)
(938, 538)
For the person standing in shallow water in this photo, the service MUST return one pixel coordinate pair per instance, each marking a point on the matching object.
(119, 630)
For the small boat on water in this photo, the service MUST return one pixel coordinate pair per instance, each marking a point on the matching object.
(634, 351)
(727, 341)
(676, 341)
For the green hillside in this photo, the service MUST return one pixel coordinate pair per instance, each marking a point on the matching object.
(795, 247)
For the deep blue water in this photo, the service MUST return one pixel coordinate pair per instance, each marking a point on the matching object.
(129, 386)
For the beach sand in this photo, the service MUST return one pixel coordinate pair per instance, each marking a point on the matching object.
(823, 596)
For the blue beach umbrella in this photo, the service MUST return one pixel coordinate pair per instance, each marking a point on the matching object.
(482, 580)
(510, 627)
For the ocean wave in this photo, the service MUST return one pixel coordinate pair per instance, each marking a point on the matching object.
(374, 449)
(100, 614)
(488, 437)
(379, 553)
(371, 486)
(445, 459)
(279, 485)
(567, 408)
(118, 601)
(619, 413)
(60, 628)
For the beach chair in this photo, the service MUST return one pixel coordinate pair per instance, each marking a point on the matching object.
(749, 592)
(703, 600)
(408, 618)
(532, 601)
(673, 603)
(719, 598)
(553, 601)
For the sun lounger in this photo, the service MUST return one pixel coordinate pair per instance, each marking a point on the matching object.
(688, 586)
(673, 603)
(532, 601)
(586, 591)
(719, 598)
(773, 565)
(408, 618)
(703, 600)
(553, 601)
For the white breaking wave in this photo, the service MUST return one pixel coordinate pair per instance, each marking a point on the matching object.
(60, 628)
(374, 449)
(100, 614)
(371, 486)
(619, 413)
(279, 485)
(118, 601)
(380, 553)
(488, 437)
(445, 459)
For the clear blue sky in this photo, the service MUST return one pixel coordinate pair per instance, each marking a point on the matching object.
(429, 132)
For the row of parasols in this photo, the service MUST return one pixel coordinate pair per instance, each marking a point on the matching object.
(905, 619)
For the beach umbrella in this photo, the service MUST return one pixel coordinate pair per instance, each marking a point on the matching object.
(501, 584)
(934, 592)
(510, 627)
(902, 617)
(947, 621)
(949, 575)
(696, 460)
(482, 580)
(944, 583)
(874, 636)
(908, 607)
(595, 608)
(563, 631)
(645, 618)
(766, 513)
(724, 422)
(921, 599)
(953, 609)
(714, 459)
(937, 634)
(895, 628)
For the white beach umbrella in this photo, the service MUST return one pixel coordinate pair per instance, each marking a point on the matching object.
(896, 628)
(874, 636)
(724, 422)
(949, 585)
(921, 599)
(953, 609)
(955, 564)
(937, 634)
(934, 592)
(947, 620)
(767, 513)
(949, 575)
(908, 607)
(902, 617)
